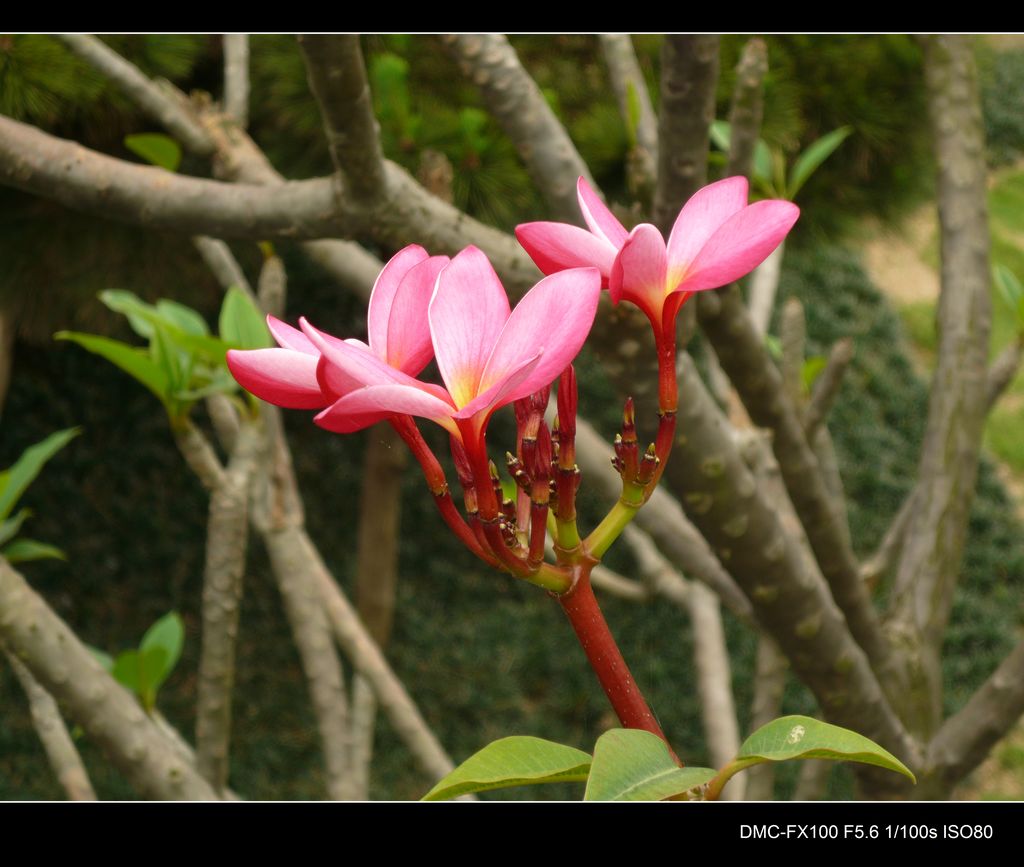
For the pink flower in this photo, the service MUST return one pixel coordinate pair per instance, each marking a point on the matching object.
(488, 354)
(717, 238)
(295, 376)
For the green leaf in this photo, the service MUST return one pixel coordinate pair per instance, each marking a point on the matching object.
(1009, 286)
(634, 765)
(809, 161)
(140, 314)
(762, 162)
(135, 362)
(721, 134)
(185, 318)
(126, 670)
(20, 475)
(774, 346)
(514, 761)
(241, 323)
(9, 528)
(102, 657)
(24, 550)
(811, 370)
(165, 354)
(161, 648)
(155, 148)
(803, 737)
(152, 673)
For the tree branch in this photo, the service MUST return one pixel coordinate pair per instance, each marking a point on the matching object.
(53, 734)
(222, 262)
(714, 682)
(380, 506)
(337, 77)
(933, 546)
(512, 96)
(790, 600)
(66, 669)
(966, 738)
(689, 72)
(200, 456)
(747, 108)
(745, 359)
(636, 110)
(226, 547)
(148, 95)
(826, 386)
(79, 178)
(769, 684)
(236, 77)
(1002, 371)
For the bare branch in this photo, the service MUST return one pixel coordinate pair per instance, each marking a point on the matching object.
(337, 77)
(714, 681)
(222, 262)
(933, 546)
(878, 563)
(745, 359)
(514, 99)
(236, 77)
(689, 72)
(38, 163)
(813, 779)
(826, 386)
(273, 286)
(633, 98)
(148, 95)
(769, 684)
(376, 574)
(226, 547)
(66, 669)
(200, 456)
(793, 337)
(966, 738)
(790, 599)
(747, 107)
(1003, 370)
(79, 178)
(53, 734)
(371, 664)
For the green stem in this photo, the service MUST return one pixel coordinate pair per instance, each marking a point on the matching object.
(727, 773)
(612, 525)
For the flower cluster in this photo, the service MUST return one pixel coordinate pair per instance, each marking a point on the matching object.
(489, 356)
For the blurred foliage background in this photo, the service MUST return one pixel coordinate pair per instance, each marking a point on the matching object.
(483, 655)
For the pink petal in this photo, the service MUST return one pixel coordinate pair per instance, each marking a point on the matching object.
(639, 271)
(365, 406)
(601, 221)
(385, 288)
(466, 315)
(409, 346)
(556, 314)
(290, 338)
(557, 246)
(504, 391)
(282, 377)
(347, 364)
(700, 218)
(739, 246)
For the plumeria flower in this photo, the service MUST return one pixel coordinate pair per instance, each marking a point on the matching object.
(717, 238)
(488, 354)
(295, 375)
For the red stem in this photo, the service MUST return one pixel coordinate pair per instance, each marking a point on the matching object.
(586, 618)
